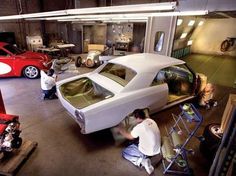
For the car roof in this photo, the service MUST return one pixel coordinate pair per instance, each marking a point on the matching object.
(146, 62)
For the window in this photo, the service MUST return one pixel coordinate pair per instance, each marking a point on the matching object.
(159, 41)
(118, 73)
(3, 53)
(179, 79)
(160, 78)
(13, 49)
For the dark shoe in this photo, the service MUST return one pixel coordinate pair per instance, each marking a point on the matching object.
(43, 97)
(54, 96)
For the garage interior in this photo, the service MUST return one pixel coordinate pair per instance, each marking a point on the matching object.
(62, 149)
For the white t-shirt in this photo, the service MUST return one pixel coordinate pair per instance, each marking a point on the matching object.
(47, 82)
(149, 137)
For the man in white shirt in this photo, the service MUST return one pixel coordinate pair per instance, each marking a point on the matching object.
(48, 84)
(149, 141)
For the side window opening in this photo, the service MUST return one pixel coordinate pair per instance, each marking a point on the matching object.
(179, 80)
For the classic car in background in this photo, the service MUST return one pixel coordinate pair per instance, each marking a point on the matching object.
(103, 98)
(93, 57)
(16, 62)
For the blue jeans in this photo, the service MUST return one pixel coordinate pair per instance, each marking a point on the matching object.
(50, 93)
(132, 153)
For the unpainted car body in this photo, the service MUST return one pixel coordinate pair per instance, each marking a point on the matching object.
(103, 98)
(16, 62)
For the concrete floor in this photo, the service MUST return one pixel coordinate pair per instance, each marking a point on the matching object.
(63, 150)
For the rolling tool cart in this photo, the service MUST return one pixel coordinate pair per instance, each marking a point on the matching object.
(174, 149)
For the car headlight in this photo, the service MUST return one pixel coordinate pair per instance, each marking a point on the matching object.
(79, 116)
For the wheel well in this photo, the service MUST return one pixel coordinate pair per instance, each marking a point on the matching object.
(146, 111)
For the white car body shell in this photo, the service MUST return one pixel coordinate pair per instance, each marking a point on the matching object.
(136, 94)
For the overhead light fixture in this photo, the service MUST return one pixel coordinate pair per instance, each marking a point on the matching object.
(179, 22)
(124, 15)
(190, 42)
(183, 35)
(34, 15)
(106, 19)
(191, 22)
(125, 8)
(200, 23)
(152, 7)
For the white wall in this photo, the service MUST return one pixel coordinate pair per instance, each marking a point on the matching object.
(207, 38)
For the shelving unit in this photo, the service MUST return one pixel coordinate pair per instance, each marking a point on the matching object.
(174, 149)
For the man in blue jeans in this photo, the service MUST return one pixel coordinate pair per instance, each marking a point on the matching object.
(48, 84)
(149, 141)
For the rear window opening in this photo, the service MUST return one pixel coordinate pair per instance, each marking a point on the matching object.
(118, 73)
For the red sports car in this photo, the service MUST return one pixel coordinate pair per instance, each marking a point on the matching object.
(16, 62)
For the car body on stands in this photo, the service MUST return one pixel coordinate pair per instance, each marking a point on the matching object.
(16, 62)
(103, 98)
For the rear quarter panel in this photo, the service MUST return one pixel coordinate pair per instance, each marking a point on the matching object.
(112, 111)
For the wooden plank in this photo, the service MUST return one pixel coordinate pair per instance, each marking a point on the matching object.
(10, 162)
(228, 112)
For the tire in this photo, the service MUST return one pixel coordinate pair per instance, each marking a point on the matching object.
(78, 61)
(16, 143)
(31, 72)
(209, 146)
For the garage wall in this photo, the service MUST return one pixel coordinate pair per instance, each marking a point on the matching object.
(180, 43)
(207, 38)
(49, 5)
(120, 32)
(19, 27)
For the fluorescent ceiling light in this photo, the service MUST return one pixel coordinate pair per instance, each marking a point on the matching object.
(152, 7)
(190, 42)
(110, 21)
(138, 16)
(125, 8)
(105, 19)
(125, 15)
(191, 22)
(183, 35)
(200, 23)
(34, 15)
(179, 22)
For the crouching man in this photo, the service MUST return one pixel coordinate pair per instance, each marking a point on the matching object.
(48, 84)
(149, 141)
